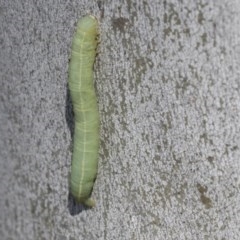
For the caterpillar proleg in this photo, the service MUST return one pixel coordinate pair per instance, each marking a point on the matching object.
(86, 117)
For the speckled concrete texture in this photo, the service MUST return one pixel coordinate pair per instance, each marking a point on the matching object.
(167, 78)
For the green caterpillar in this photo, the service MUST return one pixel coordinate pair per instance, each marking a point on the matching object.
(86, 132)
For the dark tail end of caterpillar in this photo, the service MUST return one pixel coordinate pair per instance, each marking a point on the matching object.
(75, 207)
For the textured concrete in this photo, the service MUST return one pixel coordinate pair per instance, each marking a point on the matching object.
(168, 85)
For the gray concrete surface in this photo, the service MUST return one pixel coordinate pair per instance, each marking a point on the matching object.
(168, 83)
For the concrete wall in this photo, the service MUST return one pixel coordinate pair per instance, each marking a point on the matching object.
(168, 84)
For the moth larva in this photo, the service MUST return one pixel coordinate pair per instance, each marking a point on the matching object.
(86, 117)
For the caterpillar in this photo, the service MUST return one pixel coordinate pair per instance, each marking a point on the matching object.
(86, 116)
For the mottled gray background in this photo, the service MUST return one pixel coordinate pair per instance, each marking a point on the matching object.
(168, 84)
